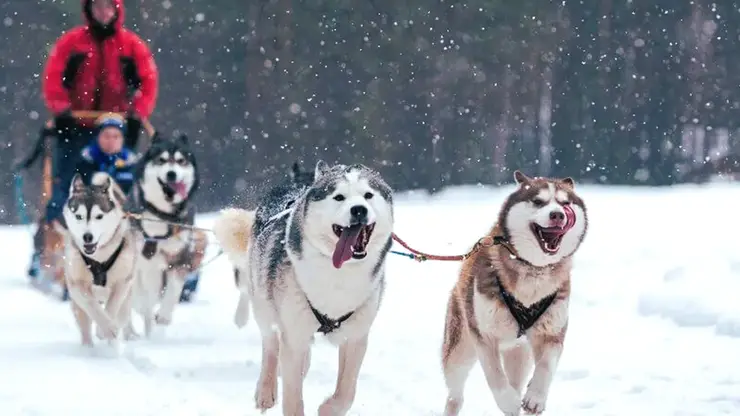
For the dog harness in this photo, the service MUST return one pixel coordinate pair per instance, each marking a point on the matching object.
(328, 325)
(180, 216)
(100, 270)
(525, 316)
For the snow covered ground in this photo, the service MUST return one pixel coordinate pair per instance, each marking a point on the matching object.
(654, 330)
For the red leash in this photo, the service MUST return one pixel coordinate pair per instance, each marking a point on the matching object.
(487, 241)
(421, 256)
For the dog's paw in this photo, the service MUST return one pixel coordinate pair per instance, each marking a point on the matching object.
(162, 319)
(106, 331)
(534, 401)
(264, 397)
(129, 334)
(334, 406)
(509, 401)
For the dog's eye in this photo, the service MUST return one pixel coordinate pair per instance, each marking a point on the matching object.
(538, 202)
(368, 195)
(565, 203)
(78, 217)
(339, 197)
(161, 161)
(99, 217)
(181, 162)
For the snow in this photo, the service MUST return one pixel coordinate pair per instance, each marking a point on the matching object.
(654, 329)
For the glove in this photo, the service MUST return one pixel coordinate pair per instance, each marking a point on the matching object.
(133, 126)
(65, 124)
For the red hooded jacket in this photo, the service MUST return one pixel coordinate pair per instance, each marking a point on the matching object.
(94, 67)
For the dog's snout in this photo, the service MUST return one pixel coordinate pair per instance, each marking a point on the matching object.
(171, 176)
(558, 216)
(87, 238)
(358, 212)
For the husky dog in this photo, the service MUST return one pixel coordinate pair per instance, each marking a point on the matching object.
(167, 179)
(100, 257)
(510, 302)
(319, 267)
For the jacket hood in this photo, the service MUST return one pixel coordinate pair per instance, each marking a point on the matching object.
(96, 27)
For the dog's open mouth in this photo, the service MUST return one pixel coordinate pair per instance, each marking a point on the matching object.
(549, 238)
(175, 188)
(89, 248)
(352, 242)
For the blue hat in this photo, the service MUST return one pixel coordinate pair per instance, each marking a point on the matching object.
(112, 120)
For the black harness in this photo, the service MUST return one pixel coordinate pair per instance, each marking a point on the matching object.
(100, 270)
(181, 215)
(525, 316)
(328, 325)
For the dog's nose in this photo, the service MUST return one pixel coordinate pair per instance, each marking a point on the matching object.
(557, 216)
(358, 212)
(87, 238)
(171, 176)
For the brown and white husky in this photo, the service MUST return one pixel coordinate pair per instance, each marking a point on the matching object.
(509, 308)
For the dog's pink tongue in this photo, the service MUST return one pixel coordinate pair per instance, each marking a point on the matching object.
(343, 249)
(180, 189)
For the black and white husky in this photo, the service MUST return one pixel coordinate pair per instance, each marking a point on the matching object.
(100, 256)
(317, 266)
(166, 180)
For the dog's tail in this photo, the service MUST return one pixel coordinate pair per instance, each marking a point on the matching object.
(232, 230)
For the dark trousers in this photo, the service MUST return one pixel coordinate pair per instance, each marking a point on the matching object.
(66, 153)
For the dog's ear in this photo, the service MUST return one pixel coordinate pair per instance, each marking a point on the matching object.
(78, 185)
(520, 178)
(321, 169)
(295, 170)
(156, 138)
(183, 138)
(568, 182)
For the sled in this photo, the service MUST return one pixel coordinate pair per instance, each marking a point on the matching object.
(49, 277)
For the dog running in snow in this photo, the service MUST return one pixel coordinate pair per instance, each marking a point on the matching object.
(510, 303)
(166, 181)
(317, 267)
(100, 257)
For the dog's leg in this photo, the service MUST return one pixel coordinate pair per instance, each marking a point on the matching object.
(175, 282)
(84, 323)
(148, 286)
(129, 333)
(266, 392)
(458, 357)
(547, 350)
(83, 297)
(292, 353)
(351, 355)
(118, 295)
(507, 398)
(241, 316)
(306, 363)
(518, 363)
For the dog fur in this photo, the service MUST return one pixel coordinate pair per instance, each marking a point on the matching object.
(167, 179)
(288, 277)
(97, 230)
(479, 325)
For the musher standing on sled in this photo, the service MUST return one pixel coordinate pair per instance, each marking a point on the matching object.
(98, 66)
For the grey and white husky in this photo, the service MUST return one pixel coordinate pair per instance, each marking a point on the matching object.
(315, 267)
(166, 180)
(99, 257)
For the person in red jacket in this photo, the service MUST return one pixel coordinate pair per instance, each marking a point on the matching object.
(98, 66)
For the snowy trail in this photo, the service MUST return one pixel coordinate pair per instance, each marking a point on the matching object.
(655, 323)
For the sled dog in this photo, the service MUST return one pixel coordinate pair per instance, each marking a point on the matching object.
(100, 257)
(509, 308)
(166, 181)
(315, 267)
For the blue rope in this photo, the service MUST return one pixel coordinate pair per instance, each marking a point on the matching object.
(409, 255)
(20, 200)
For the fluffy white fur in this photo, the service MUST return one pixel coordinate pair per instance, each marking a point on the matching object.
(522, 214)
